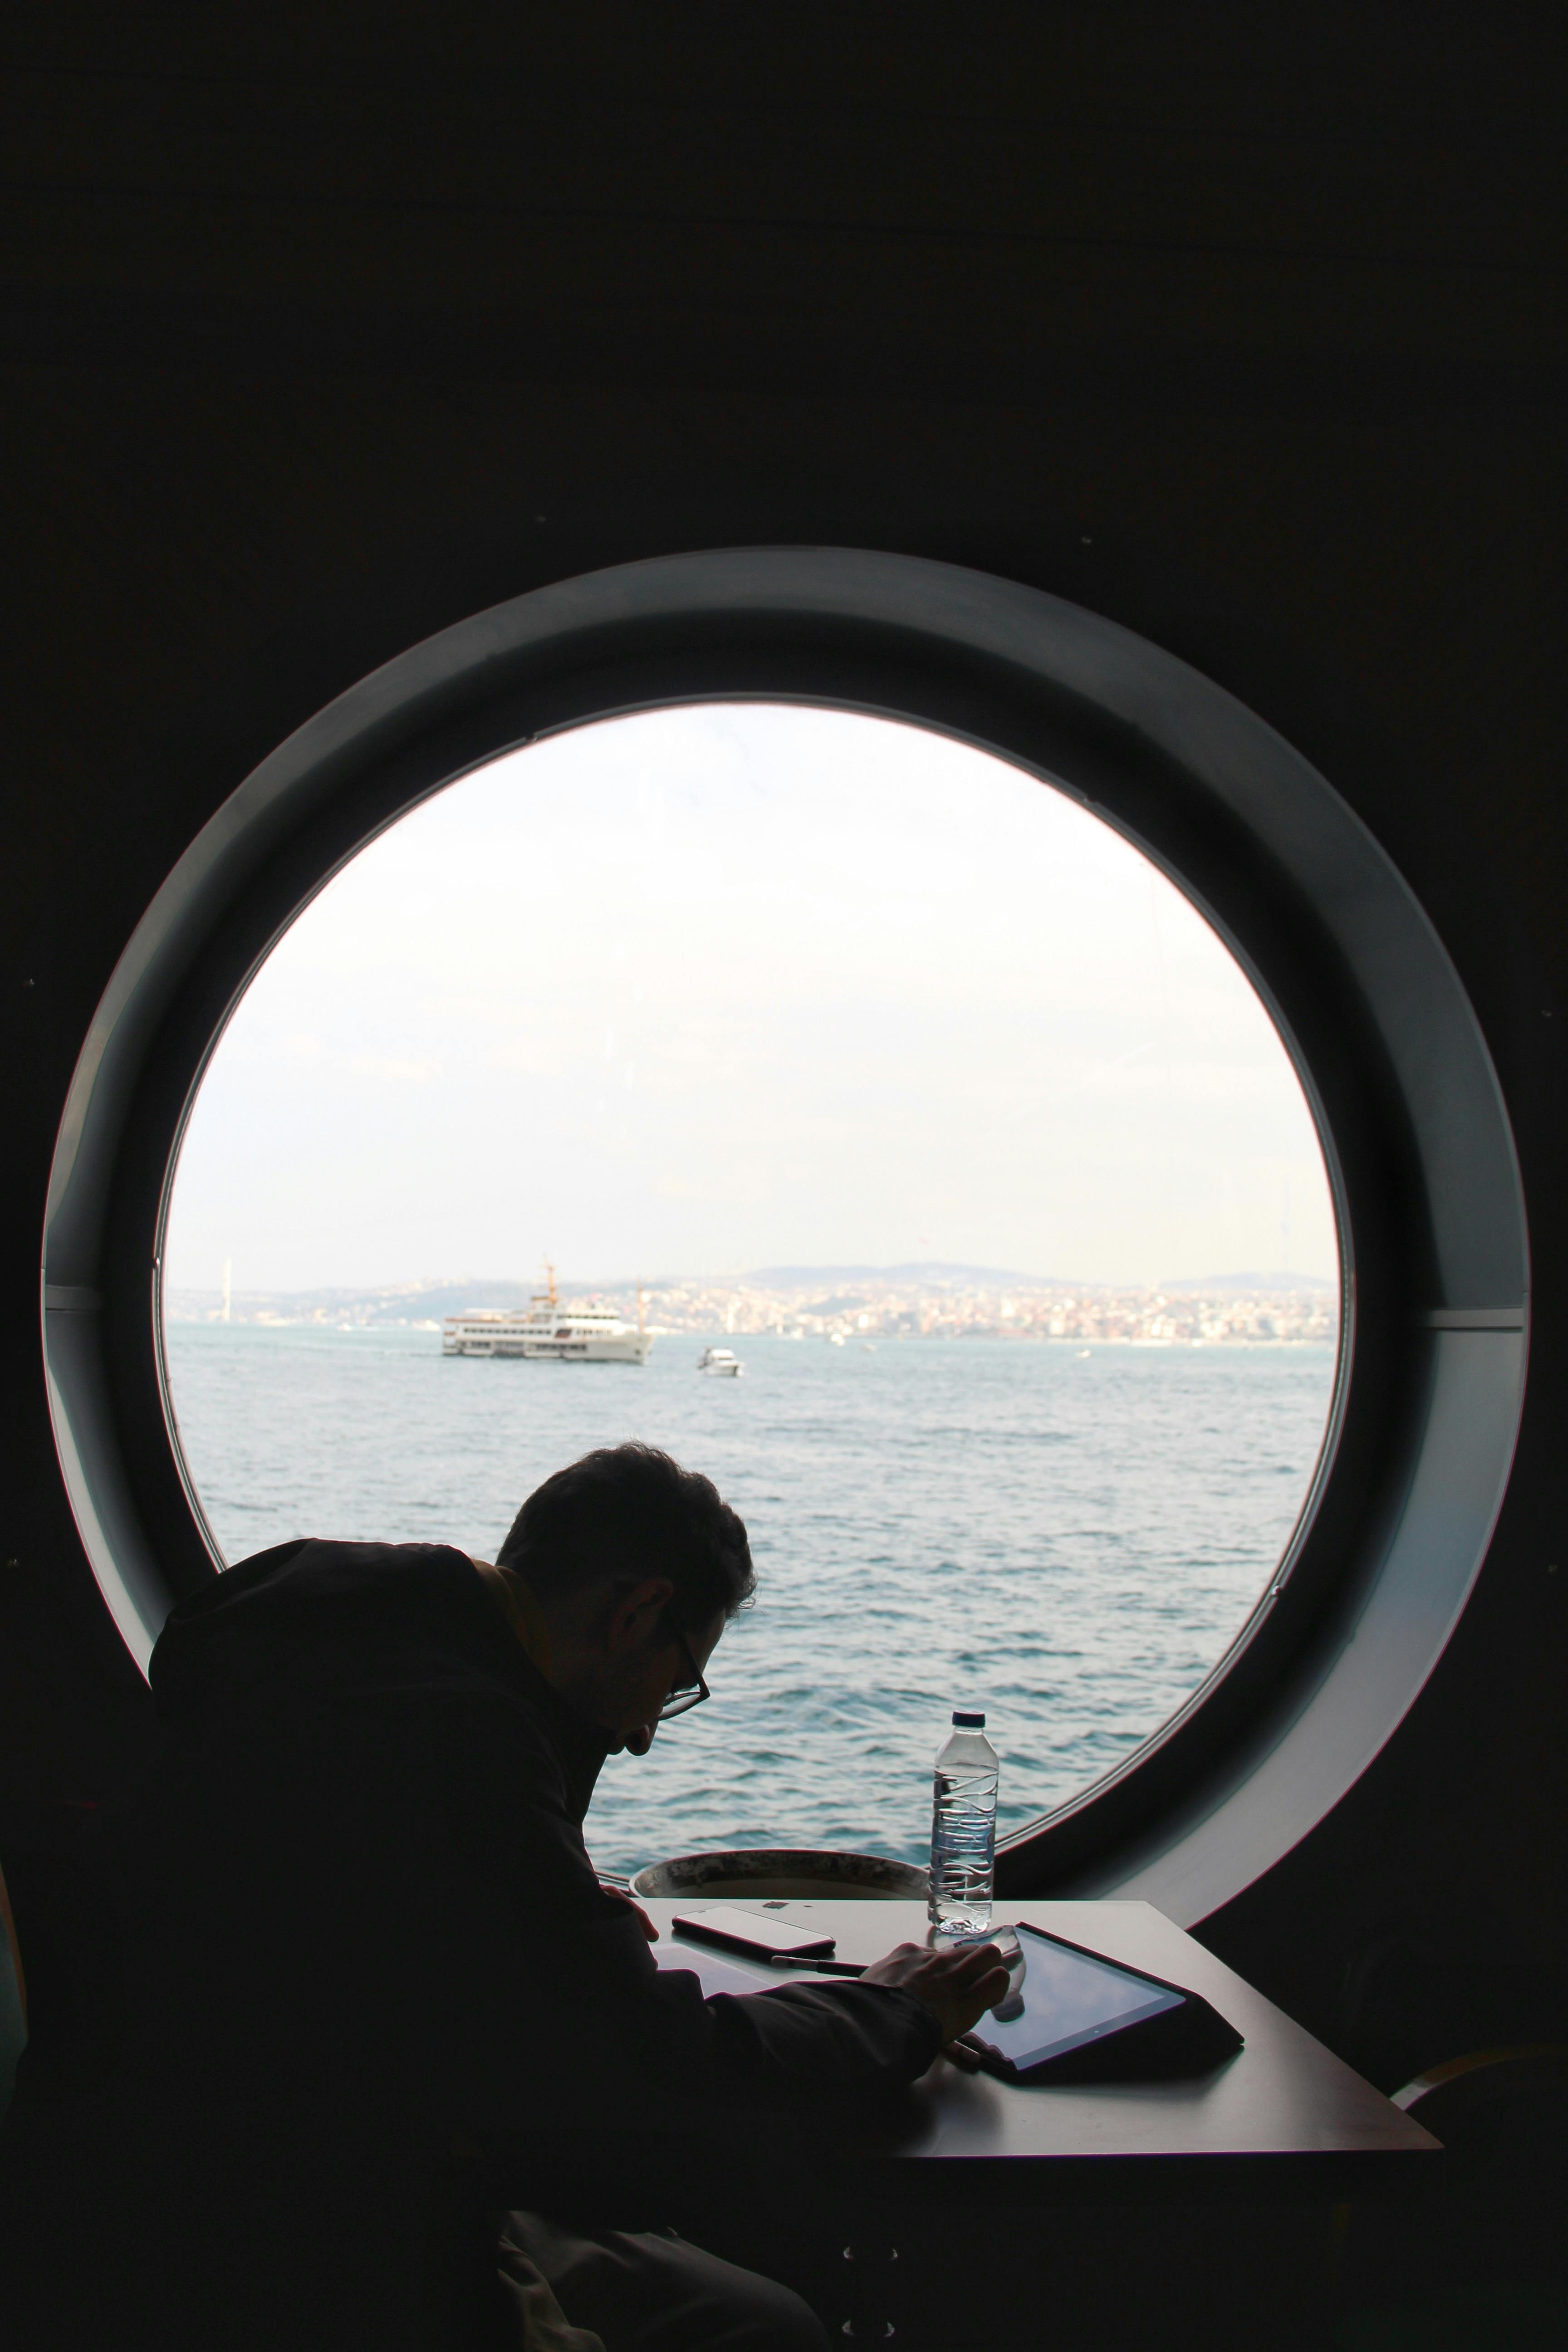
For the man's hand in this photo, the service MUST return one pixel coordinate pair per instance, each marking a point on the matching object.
(957, 1987)
(618, 1895)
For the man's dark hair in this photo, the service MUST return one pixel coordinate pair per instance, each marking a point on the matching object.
(631, 1511)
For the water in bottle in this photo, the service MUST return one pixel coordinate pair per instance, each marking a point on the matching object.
(964, 1830)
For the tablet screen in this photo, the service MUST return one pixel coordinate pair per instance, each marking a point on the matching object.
(1069, 1998)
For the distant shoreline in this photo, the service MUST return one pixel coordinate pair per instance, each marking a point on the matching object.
(1308, 1331)
(843, 1304)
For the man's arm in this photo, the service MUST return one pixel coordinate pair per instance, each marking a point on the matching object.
(585, 2004)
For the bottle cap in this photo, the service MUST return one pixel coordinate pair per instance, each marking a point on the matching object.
(967, 1722)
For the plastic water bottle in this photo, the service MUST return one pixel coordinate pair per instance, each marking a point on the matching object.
(964, 1830)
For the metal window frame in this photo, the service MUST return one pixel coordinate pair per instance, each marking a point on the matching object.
(1417, 1139)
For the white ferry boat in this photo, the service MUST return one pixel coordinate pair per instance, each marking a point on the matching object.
(546, 1331)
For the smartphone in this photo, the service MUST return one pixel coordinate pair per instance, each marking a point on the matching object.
(751, 1931)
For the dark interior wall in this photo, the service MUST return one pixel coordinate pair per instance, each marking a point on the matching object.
(321, 328)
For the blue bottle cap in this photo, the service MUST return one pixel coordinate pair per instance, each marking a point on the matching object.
(966, 1722)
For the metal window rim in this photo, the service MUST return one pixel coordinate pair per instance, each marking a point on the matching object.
(1415, 1135)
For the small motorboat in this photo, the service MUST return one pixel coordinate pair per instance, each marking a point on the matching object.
(722, 1363)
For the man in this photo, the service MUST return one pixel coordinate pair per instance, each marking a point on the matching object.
(395, 2070)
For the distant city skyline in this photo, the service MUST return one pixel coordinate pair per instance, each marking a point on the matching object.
(837, 1303)
(934, 1270)
(748, 985)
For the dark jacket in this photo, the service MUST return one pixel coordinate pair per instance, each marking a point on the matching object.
(370, 1987)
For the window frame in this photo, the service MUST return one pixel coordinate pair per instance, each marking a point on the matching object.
(1416, 1143)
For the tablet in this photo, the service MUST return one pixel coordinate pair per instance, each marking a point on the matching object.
(1082, 2017)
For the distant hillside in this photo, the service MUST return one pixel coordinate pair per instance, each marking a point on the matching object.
(1231, 1285)
(407, 1302)
(831, 1289)
(1213, 1285)
(925, 1269)
(452, 1299)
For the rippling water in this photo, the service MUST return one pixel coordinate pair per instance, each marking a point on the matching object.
(1067, 1538)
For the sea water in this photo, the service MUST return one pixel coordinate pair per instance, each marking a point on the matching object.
(1068, 1537)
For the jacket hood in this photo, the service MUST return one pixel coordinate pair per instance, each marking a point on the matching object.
(346, 1618)
(310, 1603)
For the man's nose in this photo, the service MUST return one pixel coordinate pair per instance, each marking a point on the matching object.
(639, 1741)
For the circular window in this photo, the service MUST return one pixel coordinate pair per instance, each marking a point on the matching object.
(1062, 714)
(989, 1257)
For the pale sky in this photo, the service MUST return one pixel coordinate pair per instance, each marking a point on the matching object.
(739, 986)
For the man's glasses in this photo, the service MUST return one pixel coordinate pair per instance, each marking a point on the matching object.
(691, 1690)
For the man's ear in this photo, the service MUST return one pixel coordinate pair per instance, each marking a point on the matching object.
(635, 1613)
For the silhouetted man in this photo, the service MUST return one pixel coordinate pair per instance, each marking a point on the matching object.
(393, 2069)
